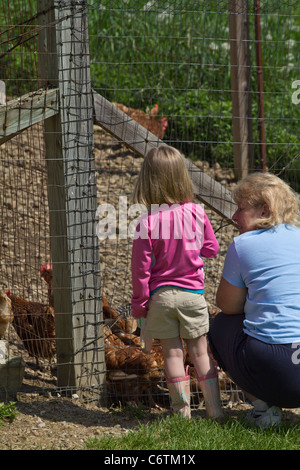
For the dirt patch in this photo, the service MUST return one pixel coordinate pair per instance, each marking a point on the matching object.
(60, 424)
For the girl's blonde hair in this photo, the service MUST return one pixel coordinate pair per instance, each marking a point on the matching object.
(163, 178)
(264, 188)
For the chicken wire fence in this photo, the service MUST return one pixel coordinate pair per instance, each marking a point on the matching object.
(86, 88)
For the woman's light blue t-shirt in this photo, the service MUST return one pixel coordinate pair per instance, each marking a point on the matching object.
(267, 263)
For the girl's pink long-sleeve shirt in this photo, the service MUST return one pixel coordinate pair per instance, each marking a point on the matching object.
(167, 249)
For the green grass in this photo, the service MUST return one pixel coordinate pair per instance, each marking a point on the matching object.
(176, 433)
(8, 413)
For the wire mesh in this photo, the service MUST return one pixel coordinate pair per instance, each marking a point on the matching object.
(174, 54)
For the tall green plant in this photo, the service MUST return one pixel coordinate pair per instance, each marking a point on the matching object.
(176, 54)
(18, 64)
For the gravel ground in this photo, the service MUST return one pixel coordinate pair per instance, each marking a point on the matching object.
(60, 424)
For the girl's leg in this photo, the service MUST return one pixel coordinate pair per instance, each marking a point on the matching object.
(177, 379)
(198, 352)
(207, 376)
(172, 351)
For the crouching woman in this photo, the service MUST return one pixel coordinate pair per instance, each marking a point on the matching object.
(256, 336)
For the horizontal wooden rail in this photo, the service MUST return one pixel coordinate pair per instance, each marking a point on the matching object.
(19, 114)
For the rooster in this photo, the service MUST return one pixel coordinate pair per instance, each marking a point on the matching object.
(149, 121)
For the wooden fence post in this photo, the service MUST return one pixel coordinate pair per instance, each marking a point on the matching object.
(64, 63)
(240, 87)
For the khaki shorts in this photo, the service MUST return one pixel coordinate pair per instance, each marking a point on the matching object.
(174, 312)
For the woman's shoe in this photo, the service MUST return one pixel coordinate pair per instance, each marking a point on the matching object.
(264, 416)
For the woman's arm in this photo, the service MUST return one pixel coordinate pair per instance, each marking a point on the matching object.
(231, 299)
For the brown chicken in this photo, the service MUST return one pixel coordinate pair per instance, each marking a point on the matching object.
(128, 358)
(123, 327)
(149, 121)
(34, 324)
(6, 314)
(132, 375)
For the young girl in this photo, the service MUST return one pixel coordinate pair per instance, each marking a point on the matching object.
(167, 275)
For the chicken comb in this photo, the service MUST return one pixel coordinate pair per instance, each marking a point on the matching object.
(45, 267)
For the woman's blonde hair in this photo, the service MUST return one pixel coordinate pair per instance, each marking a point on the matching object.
(264, 188)
(163, 178)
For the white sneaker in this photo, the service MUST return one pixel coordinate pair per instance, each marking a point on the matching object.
(265, 418)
